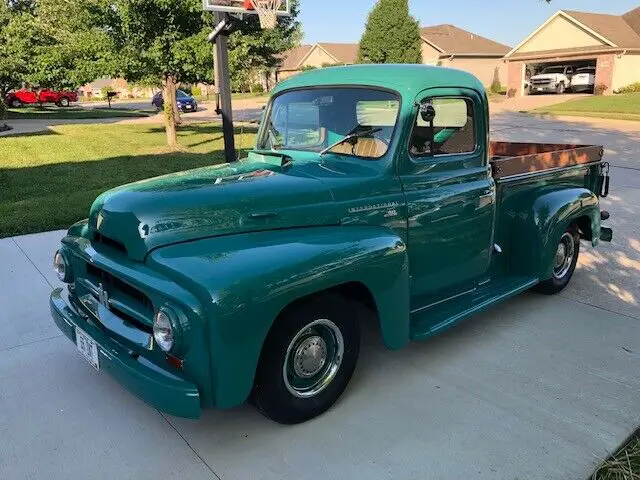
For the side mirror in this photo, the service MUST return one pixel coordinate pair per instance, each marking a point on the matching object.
(427, 112)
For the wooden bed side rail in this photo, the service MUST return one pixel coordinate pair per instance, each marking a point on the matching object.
(510, 159)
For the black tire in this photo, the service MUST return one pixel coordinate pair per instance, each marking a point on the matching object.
(560, 88)
(15, 103)
(562, 274)
(64, 102)
(295, 331)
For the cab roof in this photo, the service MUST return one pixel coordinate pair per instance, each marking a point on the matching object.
(408, 79)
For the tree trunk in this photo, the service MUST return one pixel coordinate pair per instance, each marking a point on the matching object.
(170, 107)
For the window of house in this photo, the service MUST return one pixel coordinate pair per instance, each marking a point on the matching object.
(449, 128)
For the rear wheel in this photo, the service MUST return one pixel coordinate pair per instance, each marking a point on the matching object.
(307, 360)
(15, 103)
(564, 263)
(64, 102)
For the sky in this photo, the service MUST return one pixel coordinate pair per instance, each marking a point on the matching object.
(343, 20)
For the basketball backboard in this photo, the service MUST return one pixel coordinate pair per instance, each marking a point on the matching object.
(244, 7)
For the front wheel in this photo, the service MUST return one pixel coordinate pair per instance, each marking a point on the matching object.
(64, 102)
(560, 88)
(564, 263)
(307, 360)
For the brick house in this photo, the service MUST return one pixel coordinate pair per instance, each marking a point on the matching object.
(610, 43)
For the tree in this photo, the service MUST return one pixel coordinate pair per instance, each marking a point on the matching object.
(391, 35)
(51, 43)
(161, 40)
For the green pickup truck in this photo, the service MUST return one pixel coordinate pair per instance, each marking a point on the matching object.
(373, 195)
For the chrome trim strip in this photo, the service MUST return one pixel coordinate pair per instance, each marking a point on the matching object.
(543, 172)
(442, 301)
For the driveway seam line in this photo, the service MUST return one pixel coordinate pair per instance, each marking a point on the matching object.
(31, 261)
(189, 445)
(31, 343)
(600, 308)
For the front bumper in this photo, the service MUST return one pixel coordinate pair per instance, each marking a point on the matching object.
(544, 88)
(155, 386)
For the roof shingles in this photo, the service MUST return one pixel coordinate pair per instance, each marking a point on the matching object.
(452, 40)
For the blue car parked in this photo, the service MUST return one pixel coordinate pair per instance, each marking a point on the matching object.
(186, 103)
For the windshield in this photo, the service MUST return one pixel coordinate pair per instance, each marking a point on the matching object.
(553, 70)
(587, 70)
(316, 118)
(181, 94)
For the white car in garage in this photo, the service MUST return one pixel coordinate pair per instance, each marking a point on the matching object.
(584, 80)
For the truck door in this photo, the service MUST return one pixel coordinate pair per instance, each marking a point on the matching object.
(450, 194)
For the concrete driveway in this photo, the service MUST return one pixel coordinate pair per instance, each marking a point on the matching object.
(537, 388)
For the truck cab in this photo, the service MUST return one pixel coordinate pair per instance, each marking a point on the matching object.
(373, 194)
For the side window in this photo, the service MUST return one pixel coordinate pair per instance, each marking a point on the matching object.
(444, 126)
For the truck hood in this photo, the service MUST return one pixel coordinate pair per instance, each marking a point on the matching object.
(211, 201)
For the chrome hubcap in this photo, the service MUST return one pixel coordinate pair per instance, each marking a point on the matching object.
(310, 357)
(313, 358)
(564, 256)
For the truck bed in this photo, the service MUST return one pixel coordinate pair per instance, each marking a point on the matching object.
(520, 159)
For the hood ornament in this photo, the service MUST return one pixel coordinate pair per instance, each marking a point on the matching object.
(99, 220)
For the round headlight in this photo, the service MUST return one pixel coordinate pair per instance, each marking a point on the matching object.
(61, 267)
(163, 332)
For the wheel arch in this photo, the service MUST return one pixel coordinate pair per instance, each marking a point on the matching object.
(537, 231)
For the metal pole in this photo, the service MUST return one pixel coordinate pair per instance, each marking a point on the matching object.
(222, 55)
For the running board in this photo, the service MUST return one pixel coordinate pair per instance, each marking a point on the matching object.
(429, 321)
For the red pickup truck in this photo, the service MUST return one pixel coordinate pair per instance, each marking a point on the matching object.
(24, 96)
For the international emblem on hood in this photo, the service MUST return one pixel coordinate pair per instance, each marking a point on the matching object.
(99, 220)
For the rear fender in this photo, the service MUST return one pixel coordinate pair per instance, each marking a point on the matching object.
(537, 231)
(245, 281)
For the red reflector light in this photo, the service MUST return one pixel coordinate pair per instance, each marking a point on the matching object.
(175, 362)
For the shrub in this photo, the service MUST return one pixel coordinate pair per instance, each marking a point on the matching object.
(600, 89)
(633, 88)
(308, 67)
(496, 87)
(256, 88)
(196, 91)
(511, 92)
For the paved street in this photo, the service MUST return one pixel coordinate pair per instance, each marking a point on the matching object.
(537, 388)
(246, 110)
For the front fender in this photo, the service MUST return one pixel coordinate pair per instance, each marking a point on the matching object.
(246, 280)
(537, 230)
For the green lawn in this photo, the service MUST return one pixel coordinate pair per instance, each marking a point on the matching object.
(48, 181)
(72, 113)
(625, 107)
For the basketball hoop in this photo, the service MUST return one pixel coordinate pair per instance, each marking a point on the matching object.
(267, 11)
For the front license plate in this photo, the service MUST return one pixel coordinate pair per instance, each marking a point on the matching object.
(539, 89)
(88, 348)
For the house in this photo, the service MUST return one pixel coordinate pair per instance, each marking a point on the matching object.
(97, 89)
(611, 43)
(315, 56)
(453, 47)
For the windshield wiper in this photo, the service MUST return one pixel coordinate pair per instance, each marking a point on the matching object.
(351, 136)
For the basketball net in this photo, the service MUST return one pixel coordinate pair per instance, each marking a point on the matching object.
(267, 11)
